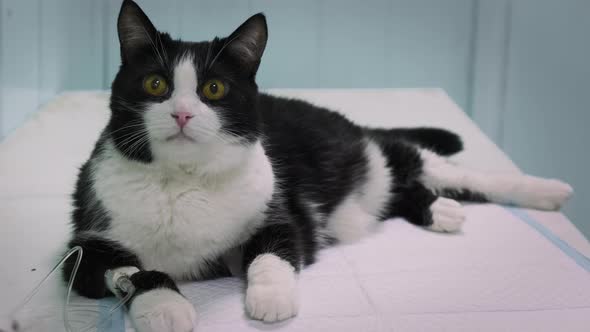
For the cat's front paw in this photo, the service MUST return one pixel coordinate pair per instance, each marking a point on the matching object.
(272, 289)
(545, 194)
(447, 215)
(162, 310)
(271, 303)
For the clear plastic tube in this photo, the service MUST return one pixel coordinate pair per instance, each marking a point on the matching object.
(122, 283)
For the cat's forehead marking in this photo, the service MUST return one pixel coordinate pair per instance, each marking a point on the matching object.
(185, 75)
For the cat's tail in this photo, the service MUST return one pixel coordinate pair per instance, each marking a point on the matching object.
(441, 141)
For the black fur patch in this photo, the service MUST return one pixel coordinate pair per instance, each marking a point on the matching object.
(413, 204)
(89, 213)
(280, 235)
(318, 154)
(441, 141)
(99, 255)
(463, 195)
(144, 281)
(409, 198)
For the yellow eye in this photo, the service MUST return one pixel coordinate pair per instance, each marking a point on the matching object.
(155, 85)
(214, 89)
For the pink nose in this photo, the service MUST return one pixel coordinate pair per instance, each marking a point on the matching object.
(182, 118)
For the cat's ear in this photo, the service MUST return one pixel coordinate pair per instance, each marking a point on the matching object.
(135, 29)
(247, 43)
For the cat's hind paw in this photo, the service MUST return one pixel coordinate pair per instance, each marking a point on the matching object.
(447, 215)
(544, 194)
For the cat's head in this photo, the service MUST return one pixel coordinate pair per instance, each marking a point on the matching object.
(185, 102)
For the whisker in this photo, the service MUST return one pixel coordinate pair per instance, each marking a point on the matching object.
(132, 137)
(163, 48)
(128, 105)
(130, 149)
(211, 45)
(154, 48)
(137, 146)
(131, 125)
(221, 50)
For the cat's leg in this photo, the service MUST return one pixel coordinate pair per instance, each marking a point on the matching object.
(450, 180)
(409, 198)
(272, 259)
(99, 255)
(422, 207)
(156, 305)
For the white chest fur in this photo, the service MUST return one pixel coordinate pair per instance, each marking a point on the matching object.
(174, 221)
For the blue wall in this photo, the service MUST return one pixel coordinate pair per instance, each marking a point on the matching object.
(518, 67)
(547, 103)
(334, 43)
(52, 45)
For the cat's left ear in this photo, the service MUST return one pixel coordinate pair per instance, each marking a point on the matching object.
(135, 30)
(247, 43)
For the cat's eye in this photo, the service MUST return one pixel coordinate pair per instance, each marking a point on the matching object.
(155, 85)
(214, 89)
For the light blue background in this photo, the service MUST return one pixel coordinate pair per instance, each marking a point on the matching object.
(519, 68)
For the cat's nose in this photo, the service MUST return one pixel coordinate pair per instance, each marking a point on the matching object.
(182, 118)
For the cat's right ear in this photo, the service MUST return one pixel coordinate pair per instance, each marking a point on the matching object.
(135, 30)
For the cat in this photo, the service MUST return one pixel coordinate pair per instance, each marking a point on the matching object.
(198, 175)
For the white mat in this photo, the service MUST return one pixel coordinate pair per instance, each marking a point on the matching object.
(500, 274)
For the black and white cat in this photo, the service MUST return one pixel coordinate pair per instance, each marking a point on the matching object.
(198, 175)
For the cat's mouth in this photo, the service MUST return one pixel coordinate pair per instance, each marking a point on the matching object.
(180, 137)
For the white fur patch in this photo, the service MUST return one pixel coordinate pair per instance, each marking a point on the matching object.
(272, 289)
(185, 77)
(174, 219)
(375, 193)
(539, 193)
(358, 214)
(447, 215)
(349, 222)
(162, 310)
(518, 189)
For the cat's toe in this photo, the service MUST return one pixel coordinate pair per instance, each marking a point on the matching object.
(556, 194)
(547, 194)
(271, 303)
(162, 310)
(272, 289)
(447, 215)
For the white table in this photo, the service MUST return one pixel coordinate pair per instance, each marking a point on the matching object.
(38, 165)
